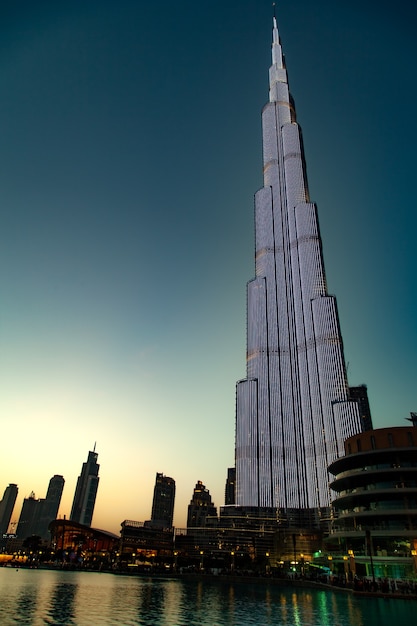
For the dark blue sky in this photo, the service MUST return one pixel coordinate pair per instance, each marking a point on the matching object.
(130, 152)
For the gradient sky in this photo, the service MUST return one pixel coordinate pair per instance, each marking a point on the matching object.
(130, 151)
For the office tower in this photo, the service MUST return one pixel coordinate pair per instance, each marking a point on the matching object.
(37, 514)
(86, 491)
(6, 507)
(201, 508)
(229, 491)
(360, 394)
(28, 519)
(49, 506)
(163, 501)
(293, 410)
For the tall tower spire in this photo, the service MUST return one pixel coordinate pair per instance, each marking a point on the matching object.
(293, 410)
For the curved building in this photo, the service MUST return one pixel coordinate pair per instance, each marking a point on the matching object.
(375, 504)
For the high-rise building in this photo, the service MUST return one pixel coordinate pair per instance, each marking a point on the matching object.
(6, 507)
(28, 519)
(37, 514)
(360, 394)
(201, 508)
(293, 410)
(49, 506)
(86, 491)
(163, 501)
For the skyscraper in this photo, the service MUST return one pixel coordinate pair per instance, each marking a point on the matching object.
(163, 501)
(50, 505)
(360, 394)
(6, 507)
(28, 518)
(293, 410)
(86, 490)
(37, 514)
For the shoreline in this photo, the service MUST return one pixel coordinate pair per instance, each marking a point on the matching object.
(233, 578)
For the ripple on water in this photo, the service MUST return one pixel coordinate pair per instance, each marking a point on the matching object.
(39, 597)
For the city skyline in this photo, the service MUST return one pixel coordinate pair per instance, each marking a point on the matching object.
(131, 149)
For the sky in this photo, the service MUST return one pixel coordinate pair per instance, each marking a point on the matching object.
(130, 152)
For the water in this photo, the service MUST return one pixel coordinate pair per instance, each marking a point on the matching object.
(38, 597)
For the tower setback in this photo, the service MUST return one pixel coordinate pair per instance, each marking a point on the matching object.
(293, 409)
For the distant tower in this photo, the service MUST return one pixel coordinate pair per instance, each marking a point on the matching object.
(7, 506)
(201, 507)
(229, 492)
(360, 394)
(86, 491)
(163, 501)
(50, 505)
(29, 516)
(293, 410)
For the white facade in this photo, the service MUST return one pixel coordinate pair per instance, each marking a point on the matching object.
(293, 410)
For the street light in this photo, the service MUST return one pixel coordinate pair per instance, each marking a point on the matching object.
(201, 559)
(175, 560)
(267, 562)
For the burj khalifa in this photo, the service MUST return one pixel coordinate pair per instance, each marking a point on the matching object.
(293, 409)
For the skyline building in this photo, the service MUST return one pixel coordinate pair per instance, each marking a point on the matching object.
(37, 514)
(26, 526)
(293, 409)
(49, 506)
(163, 501)
(86, 491)
(6, 506)
(360, 394)
(201, 507)
(229, 490)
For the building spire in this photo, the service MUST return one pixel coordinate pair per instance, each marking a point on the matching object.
(277, 71)
(276, 46)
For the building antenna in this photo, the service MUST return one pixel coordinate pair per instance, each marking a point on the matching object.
(274, 4)
(94, 449)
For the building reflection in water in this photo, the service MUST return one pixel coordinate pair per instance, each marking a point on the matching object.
(27, 604)
(62, 604)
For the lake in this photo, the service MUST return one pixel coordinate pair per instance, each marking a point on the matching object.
(55, 597)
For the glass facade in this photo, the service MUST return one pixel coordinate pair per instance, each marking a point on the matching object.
(294, 409)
